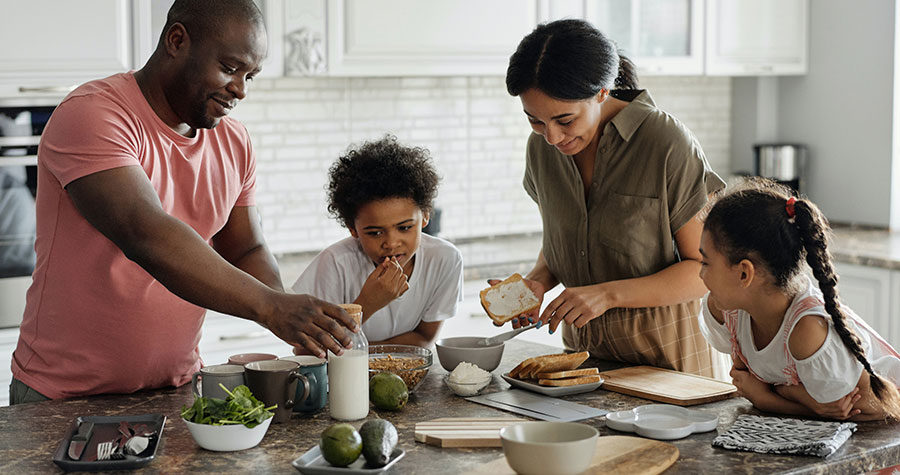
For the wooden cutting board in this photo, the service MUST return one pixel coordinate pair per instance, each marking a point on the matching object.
(464, 431)
(665, 385)
(615, 454)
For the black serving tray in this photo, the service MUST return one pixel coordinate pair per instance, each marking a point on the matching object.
(106, 428)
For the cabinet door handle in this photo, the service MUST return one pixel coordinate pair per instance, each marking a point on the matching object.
(244, 336)
(48, 89)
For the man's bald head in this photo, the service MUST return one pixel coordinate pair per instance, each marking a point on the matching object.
(204, 19)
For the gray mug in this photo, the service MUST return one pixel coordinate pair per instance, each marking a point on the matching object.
(206, 381)
(316, 374)
(274, 382)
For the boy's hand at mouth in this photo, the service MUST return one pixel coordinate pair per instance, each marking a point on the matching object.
(384, 284)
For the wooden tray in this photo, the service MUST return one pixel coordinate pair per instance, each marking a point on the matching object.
(464, 431)
(665, 385)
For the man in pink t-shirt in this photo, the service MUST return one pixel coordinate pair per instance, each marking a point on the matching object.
(146, 216)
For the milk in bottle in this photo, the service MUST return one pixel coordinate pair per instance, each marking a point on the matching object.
(348, 375)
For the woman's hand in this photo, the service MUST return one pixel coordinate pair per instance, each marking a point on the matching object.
(384, 284)
(576, 306)
(841, 409)
(526, 318)
(749, 386)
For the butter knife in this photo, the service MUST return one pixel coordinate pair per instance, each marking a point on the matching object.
(80, 439)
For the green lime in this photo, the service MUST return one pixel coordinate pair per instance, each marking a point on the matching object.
(388, 391)
(340, 444)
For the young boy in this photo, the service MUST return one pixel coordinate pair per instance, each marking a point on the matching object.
(407, 282)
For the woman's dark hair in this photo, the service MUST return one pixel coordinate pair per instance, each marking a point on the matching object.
(568, 60)
(379, 170)
(752, 222)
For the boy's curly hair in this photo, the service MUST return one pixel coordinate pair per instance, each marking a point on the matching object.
(378, 170)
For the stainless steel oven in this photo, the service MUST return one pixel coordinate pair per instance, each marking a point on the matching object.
(22, 120)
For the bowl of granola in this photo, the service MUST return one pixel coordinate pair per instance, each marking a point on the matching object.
(409, 362)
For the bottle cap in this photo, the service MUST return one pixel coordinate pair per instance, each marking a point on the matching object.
(355, 311)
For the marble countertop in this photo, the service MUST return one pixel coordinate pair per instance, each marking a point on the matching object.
(30, 433)
(867, 247)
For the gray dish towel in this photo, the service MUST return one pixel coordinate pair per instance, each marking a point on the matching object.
(774, 435)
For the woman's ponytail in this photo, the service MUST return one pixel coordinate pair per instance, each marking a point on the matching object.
(627, 78)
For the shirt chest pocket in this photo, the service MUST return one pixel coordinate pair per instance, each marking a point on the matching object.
(629, 224)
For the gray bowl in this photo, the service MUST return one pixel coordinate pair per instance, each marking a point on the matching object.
(453, 351)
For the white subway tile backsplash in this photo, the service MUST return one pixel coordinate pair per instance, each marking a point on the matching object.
(475, 131)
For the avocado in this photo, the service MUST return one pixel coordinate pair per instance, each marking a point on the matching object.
(388, 391)
(379, 439)
(340, 444)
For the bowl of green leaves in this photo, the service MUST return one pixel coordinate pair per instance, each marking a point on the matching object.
(237, 422)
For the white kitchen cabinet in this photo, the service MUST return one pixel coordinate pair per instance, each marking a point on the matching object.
(225, 335)
(867, 290)
(48, 43)
(756, 37)
(662, 37)
(894, 337)
(416, 38)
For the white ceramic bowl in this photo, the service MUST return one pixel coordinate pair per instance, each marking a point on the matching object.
(467, 389)
(453, 351)
(549, 448)
(227, 438)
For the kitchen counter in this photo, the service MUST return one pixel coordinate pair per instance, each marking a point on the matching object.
(866, 247)
(30, 433)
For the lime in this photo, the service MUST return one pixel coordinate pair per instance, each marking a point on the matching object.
(340, 444)
(388, 391)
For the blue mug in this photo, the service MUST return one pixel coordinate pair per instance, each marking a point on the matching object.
(314, 369)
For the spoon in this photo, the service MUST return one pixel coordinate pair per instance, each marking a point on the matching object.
(497, 339)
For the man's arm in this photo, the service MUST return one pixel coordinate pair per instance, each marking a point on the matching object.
(241, 243)
(124, 207)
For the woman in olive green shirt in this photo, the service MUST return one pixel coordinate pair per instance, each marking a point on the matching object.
(619, 184)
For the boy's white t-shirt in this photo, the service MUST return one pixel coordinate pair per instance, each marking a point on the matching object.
(829, 374)
(338, 273)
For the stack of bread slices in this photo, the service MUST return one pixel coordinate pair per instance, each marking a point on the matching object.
(556, 370)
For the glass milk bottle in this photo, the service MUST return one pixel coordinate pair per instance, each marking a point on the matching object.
(348, 374)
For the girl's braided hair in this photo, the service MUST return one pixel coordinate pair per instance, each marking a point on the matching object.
(752, 223)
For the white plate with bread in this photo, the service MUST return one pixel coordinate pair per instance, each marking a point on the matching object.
(555, 375)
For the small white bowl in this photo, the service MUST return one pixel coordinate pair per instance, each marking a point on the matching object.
(227, 438)
(549, 448)
(467, 389)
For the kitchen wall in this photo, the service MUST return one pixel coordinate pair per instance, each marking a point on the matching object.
(843, 109)
(475, 131)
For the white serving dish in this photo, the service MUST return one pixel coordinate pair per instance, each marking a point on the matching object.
(553, 391)
(540, 448)
(313, 463)
(662, 421)
(227, 438)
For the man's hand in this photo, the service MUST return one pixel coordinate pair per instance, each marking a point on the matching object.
(526, 318)
(384, 284)
(307, 322)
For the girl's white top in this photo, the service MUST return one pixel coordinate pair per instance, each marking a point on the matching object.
(829, 374)
(338, 273)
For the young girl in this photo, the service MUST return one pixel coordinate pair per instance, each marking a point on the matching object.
(796, 349)
(407, 282)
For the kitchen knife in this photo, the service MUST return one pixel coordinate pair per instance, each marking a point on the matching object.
(80, 439)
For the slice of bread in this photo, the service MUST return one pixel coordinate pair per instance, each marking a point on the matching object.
(559, 362)
(570, 381)
(508, 299)
(568, 374)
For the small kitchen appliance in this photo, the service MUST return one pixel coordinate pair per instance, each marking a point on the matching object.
(784, 163)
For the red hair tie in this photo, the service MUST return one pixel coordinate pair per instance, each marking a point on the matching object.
(789, 207)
